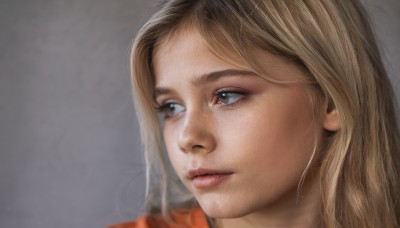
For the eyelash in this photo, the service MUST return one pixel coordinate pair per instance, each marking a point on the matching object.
(163, 109)
(218, 95)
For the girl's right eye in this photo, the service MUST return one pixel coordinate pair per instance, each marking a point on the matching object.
(171, 109)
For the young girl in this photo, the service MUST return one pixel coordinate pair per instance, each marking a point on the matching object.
(272, 113)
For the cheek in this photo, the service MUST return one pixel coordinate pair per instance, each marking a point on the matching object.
(176, 156)
(171, 146)
(280, 137)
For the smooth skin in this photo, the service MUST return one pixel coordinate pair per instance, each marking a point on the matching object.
(222, 116)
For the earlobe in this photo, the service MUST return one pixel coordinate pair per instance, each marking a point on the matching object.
(331, 120)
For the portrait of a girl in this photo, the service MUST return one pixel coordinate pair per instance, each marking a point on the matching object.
(265, 113)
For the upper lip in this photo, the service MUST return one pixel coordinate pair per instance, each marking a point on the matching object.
(193, 173)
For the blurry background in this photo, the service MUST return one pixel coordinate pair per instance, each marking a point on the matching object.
(70, 153)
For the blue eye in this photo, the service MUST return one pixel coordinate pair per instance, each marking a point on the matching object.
(229, 97)
(171, 109)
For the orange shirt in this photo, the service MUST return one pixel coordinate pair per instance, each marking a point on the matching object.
(194, 218)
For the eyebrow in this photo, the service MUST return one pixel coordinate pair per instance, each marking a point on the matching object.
(208, 78)
(216, 75)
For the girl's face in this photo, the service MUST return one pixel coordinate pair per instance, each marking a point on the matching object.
(238, 142)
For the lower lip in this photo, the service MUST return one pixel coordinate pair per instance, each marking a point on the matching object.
(209, 181)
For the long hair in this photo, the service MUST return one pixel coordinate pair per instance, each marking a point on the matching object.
(333, 41)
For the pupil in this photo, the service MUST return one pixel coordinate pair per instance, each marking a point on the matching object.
(224, 97)
(172, 107)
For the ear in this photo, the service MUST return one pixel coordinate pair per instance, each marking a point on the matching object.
(331, 120)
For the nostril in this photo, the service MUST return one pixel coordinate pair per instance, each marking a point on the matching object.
(197, 147)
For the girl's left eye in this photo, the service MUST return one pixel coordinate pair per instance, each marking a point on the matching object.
(229, 97)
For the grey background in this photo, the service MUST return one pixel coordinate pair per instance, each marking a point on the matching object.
(70, 150)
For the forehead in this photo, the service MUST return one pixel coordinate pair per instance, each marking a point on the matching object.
(187, 53)
(175, 43)
(189, 38)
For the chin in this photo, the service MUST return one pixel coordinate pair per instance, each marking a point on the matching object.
(224, 208)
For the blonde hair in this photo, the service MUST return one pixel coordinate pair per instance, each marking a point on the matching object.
(332, 40)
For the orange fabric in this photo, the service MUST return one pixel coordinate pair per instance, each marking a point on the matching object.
(194, 218)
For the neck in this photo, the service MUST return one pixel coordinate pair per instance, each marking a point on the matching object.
(300, 210)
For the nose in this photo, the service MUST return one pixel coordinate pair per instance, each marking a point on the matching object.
(197, 134)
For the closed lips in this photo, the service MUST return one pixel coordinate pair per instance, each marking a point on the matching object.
(206, 172)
